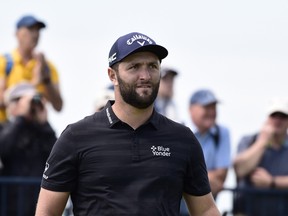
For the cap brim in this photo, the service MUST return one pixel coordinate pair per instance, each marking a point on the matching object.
(209, 102)
(41, 24)
(158, 50)
(205, 102)
(165, 72)
(271, 111)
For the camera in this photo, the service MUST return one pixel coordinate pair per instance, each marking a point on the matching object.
(36, 103)
(36, 100)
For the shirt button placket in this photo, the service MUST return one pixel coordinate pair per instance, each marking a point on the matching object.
(135, 150)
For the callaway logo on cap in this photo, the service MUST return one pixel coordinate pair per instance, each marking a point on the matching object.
(132, 43)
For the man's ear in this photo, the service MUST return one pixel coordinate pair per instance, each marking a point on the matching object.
(112, 75)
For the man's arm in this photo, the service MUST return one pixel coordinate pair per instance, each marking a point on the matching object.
(246, 161)
(2, 89)
(201, 205)
(51, 203)
(41, 75)
(261, 178)
(217, 178)
(52, 93)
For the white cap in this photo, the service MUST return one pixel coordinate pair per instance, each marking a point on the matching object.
(103, 97)
(278, 105)
(18, 90)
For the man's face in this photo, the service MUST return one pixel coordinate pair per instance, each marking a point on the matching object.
(166, 86)
(204, 117)
(279, 121)
(138, 79)
(28, 37)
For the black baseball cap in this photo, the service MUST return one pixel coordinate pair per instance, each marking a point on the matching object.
(28, 21)
(132, 43)
(164, 71)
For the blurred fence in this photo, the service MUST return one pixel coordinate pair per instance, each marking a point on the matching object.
(15, 191)
(251, 200)
(258, 202)
(18, 189)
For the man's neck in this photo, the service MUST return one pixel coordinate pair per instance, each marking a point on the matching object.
(132, 116)
(26, 54)
(278, 140)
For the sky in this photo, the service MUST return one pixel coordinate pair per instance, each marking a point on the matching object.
(238, 49)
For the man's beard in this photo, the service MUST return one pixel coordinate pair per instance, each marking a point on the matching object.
(130, 96)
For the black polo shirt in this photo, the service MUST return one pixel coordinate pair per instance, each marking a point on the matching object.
(111, 169)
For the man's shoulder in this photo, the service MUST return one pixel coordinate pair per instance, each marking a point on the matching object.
(246, 141)
(172, 123)
(222, 128)
(2, 64)
(249, 137)
(176, 129)
(86, 124)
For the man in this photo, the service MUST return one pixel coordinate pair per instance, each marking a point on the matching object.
(261, 163)
(103, 96)
(128, 159)
(164, 103)
(25, 64)
(214, 138)
(26, 140)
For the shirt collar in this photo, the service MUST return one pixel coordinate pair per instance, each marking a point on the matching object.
(113, 120)
(16, 56)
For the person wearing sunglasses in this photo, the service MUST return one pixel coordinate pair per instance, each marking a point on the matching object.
(261, 165)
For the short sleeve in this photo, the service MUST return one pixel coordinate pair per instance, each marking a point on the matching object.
(196, 181)
(61, 170)
(53, 75)
(2, 67)
(245, 142)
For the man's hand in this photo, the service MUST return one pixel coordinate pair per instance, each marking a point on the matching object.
(261, 178)
(267, 133)
(40, 71)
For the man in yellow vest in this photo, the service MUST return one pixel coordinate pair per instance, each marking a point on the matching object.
(25, 64)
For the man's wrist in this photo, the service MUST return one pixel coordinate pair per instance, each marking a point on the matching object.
(273, 183)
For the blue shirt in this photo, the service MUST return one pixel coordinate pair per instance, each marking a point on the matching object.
(257, 202)
(216, 156)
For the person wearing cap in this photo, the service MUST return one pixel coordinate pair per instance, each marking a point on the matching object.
(26, 140)
(164, 103)
(261, 163)
(103, 96)
(25, 64)
(213, 137)
(127, 159)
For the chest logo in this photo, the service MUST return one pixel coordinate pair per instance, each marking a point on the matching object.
(160, 151)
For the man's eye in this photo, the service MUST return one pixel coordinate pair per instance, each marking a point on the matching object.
(134, 67)
(154, 66)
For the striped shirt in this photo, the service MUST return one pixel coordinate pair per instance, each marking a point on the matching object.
(111, 169)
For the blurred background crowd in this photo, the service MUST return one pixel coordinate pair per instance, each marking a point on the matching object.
(236, 52)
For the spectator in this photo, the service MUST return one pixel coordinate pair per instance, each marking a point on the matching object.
(103, 97)
(128, 159)
(164, 103)
(25, 64)
(261, 163)
(213, 137)
(25, 142)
